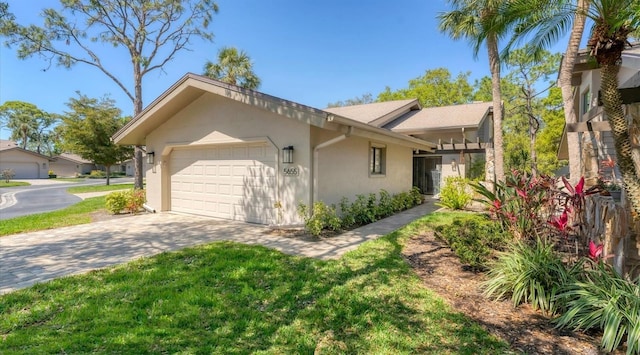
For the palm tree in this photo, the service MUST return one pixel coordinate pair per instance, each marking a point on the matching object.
(613, 23)
(474, 20)
(233, 67)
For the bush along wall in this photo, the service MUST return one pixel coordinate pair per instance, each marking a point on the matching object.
(365, 209)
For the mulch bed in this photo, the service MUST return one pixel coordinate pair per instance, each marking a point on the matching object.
(525, 329)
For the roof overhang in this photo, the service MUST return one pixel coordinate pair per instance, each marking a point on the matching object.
(191, 86)
(27, 152)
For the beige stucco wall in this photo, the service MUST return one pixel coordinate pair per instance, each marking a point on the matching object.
(65, 168)
(212, 119)
(19, 160)
(343, 168)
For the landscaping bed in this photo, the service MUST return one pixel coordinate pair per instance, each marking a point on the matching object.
(525, 329)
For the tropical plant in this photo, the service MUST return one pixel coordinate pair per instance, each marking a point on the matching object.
(613, 22)
(233, 67)
(454, 194)
(607, 301)
(475, 21)
(531, 274)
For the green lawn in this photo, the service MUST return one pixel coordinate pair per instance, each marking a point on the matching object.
(72, 215)
(98, 188)
(13, 183)
(228, 298)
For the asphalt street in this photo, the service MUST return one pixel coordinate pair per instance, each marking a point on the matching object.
(27, 200)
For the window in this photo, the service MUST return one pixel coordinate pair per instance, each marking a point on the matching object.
(586, 102)
(377, 166)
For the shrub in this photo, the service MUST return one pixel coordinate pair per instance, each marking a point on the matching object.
(130, 201)
(607, 301)
(454, 194)
(385, 205)
(116, 201)
(347, 217)
(362, 214)
(320, 218)
(8, 174)
(530, 274)
(97, 174)
(474, 239)
(416, 196)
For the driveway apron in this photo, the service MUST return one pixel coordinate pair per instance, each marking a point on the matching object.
(30, 258)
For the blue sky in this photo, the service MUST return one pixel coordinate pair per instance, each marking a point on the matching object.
(310, 52)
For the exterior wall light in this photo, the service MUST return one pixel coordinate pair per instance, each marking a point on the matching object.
(454, 165)
(151, 157)
(287, 155)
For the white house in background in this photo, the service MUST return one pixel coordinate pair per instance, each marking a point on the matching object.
(71, 165)
(128, 166)
(593, 129)
(24, 163)
(219, 150)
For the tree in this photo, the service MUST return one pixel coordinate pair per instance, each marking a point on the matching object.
(434, 88)
(474, 20)
(613, 23)
(358, 100)
(87, 129)
(551, 132)
(528, 73)
(29, 125)
(151, 33)
(233, 67)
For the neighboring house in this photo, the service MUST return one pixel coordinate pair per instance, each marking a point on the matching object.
(593, 129)
(223, 151)
(128, 166)
(24, 163)
(71, 165)
(462, 133)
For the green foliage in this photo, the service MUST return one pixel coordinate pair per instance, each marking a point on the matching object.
(130, 201)
(434, 88)
(454, 194)
(88, 127)
(607, 301)
(29, 125)
(231, 298)
(551, 132)
(97, 174)
(530, 274)
(321, 217)
(385, 205)
(233, 67)
(474, 239)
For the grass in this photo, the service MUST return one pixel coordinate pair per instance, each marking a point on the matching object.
(72, 215)
(229, 298)
(98, 188)
(13, 183)
(76, 179)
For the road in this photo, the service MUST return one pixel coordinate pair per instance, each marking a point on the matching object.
(27, 200)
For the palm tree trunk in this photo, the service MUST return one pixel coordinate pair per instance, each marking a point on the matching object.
(494, 65)
(612, 102)
(564, 80)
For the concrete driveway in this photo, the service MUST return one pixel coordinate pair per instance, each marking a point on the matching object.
(29, 258)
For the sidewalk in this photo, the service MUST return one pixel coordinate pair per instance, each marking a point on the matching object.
(29, 258)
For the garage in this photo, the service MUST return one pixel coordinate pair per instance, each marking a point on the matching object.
(225, 181)
(22, 170)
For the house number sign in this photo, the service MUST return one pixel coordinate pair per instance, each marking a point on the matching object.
(290, 171)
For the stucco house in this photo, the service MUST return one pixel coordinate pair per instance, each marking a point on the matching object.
(462, 134)
(24, 163)
(593, 129)
(71, 165)
(220, 150)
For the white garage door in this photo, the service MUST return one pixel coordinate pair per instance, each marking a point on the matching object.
(225, 181)
(22, 170)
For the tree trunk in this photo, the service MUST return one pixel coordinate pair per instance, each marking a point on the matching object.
(564, 80)
(137, 108)
(612, 102)
(108, 169)
(494, 65)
